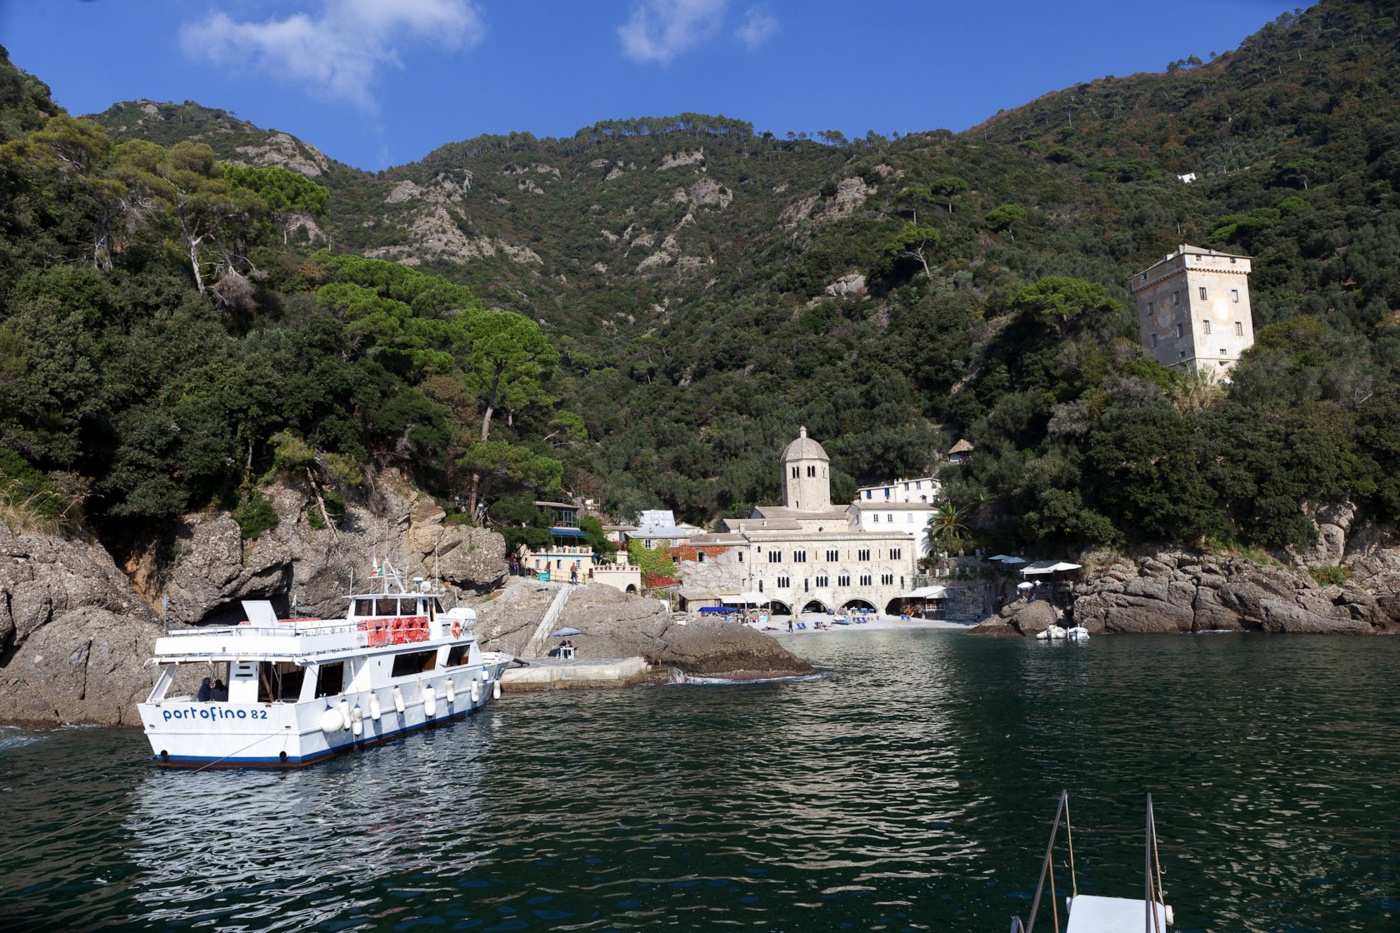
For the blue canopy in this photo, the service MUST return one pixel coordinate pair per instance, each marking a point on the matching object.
(567, 533)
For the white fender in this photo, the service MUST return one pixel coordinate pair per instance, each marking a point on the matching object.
(331, 721)
(476, 692)
(451, 692)
(496, 690)
(429, 702)
(374, 710)
(357, 721)
(344, 707)
(399, 704)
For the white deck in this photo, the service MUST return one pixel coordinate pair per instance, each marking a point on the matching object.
(1111, 915)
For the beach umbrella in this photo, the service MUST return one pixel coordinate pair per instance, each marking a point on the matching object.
(565, 632)
(1014, 560)
(1024, 586)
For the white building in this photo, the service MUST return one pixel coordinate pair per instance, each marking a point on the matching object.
(805, 555)
(906, 505)
(658, 527)
(1193, 309)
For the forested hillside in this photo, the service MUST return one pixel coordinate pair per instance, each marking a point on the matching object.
(189, 304)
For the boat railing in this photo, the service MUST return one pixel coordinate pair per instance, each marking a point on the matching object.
(1156, 915)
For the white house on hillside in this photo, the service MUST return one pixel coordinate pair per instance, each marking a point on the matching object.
(903, 506)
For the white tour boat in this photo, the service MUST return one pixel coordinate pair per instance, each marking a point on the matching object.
(299, 690)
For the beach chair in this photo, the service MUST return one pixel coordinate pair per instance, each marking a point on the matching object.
(802, 625)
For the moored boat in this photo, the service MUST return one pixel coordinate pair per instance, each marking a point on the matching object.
(1053, 633)
(299, 690)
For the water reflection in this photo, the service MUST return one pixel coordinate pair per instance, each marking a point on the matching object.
(343, 840)
(911, 788)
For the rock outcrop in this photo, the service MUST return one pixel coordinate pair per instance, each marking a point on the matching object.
(74, 635)
(616, 625)
(215, 569)
(75, 631)
(1182, 591)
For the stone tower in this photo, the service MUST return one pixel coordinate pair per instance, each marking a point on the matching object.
(806, 475)
(1193, 309)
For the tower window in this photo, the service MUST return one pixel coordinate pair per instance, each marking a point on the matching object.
(1176, 297)
(1239, 328)
(1154, 340)
(795, 473)
(1206, 325)
(1235, 295)
(812, 471)
(1180, 331)
(1149, 307)
(1203, 293)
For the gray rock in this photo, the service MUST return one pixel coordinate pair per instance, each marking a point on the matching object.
(618, 625)
(214, 569)
(74, 634)
(1030, 618)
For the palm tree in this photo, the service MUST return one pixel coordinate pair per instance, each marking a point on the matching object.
(945, 529)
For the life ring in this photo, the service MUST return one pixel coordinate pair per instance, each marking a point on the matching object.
(456, 628)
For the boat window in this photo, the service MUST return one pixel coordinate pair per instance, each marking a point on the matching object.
(414, 662)
(386, 607)
(364, 607)
(459, 655)
(436, 606)
(330, 679)
(279, 680)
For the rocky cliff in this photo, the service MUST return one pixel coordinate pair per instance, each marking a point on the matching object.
(1183, 591)
(75, 631)
(215, 569)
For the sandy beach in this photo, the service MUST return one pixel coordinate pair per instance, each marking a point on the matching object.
(777, 626)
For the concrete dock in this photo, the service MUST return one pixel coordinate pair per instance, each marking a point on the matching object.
(555, 674)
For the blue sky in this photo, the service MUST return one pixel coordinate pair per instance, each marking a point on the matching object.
(376, 83)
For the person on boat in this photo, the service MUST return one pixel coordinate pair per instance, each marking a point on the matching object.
(205, 692)
(220, 692)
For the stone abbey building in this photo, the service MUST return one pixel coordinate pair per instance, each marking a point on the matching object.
(1193, 310)
(804, 555)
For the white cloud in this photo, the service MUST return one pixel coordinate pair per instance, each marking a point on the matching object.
(340, 50)
(758, 27)
(661, 29)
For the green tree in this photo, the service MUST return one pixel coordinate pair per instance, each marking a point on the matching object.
(949, 186)
(915, 241)
(509, 360)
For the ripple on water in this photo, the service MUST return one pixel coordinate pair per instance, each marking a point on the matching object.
(909, 787)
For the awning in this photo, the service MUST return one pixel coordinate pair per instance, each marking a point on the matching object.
(925, 592)
(567, 533)
(1042, 567)
(746, 599)
(1000, 557)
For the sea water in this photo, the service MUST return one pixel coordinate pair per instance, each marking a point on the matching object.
(910, 788)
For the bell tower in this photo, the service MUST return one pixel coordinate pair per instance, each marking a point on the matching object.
(806, 475)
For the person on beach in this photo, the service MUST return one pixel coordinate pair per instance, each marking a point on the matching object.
(573, 574)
